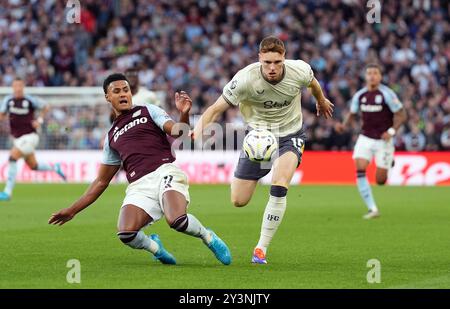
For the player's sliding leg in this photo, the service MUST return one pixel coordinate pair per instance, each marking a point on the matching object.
(39, 166)
(283, 170)
(14, 156)
(131, 220)
(364, 188)
(175, 205)
(242, 191)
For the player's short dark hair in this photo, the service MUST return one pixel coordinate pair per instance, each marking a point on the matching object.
(374, 65)
(112, 78)
(272, 44)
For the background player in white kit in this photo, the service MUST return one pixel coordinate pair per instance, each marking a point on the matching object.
(23, 124)
(268, 94)
(382, 115)
(141, 95)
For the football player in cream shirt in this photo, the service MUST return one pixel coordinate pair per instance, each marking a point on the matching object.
(268, 94)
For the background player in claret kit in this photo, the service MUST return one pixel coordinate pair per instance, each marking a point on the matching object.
(23, 124)
(382, 115)
(137, 139)
(268, 94)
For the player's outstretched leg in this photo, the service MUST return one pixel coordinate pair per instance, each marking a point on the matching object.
(10, 182)
(175, 211)
(34, 165)
(131, 220)
(273, 215)
(366, 193)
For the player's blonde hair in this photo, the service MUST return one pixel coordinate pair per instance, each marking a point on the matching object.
(272, 44)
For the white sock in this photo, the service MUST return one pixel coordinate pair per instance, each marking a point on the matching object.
(273, 215)
(142, 241)
(44, 167)
(365, 191)
(11, 181)
(196, 229)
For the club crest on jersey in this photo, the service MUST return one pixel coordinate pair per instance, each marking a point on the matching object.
(137, 113)
(128, 126)
(378, 99)
(364, 100)
(25, 104)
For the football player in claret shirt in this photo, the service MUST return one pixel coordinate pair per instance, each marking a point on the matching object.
(382, 114)
(157, 188)
(24, 122)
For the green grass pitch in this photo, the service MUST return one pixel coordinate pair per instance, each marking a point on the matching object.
(322, 243)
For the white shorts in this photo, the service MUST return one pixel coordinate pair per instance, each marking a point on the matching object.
(366, 148)
(27, 143)
(146, 192)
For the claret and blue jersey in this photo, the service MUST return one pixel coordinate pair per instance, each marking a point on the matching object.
(21, 113)
(137, 140)
(377, 108)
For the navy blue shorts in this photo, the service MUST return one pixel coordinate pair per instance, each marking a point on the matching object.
(250, 170)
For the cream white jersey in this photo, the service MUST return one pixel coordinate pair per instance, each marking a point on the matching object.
(275, 107)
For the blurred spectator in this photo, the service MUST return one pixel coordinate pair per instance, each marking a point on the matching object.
(198, 46)
(414, 140)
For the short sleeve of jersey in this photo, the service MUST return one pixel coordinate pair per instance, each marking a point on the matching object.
(36, 102)
(234, 92)
(305, 72)
(110, 156)
(391, 99)
(159, 116)
(354, 104)
(4, 104)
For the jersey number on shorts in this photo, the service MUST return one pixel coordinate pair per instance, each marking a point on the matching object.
(299, 144)
(168, 181)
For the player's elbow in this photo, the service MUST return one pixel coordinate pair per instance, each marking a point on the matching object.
(101, 184)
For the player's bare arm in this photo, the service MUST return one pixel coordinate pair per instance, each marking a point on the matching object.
(398, 120)
(348, 121)
(97, 187)
(324, 106)
(211, 115)
(2, 116)
(40, 119)
(183, 104)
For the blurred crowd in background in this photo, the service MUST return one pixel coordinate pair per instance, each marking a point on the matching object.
(199, 45)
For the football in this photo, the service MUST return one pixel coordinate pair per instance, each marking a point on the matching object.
(259, 145)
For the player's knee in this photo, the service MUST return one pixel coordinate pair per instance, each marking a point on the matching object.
(127, 237)
(180, 224)
(33, 167)
(238, 202)
(381, 181)
(278, 191)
